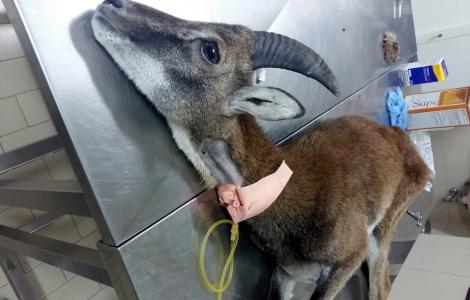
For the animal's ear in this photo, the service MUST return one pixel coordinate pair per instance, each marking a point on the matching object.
(263, 102)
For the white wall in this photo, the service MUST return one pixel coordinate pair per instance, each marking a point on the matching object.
(456, 52)
(437, 15)
(452, 19)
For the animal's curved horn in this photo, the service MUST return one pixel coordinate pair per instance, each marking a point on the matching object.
(272, 50)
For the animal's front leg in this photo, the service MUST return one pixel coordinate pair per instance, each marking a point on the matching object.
(216, 156)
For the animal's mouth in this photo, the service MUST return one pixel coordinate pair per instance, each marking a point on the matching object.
(110, 14)
(105, 13)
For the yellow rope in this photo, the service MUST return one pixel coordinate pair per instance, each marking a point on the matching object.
(223, 282)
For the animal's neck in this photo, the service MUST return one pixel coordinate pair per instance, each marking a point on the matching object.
(253, 151)
(182, 137)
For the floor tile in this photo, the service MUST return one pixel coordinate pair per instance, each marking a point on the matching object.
(11, 117)
(28, 263)
(69, 275)
(16, 217)
(7, 292)
(438, 253)
(16, 77)
(79, 288)
(59, 166)
(62, 229)
(436, 231)
(33, 106)
(423, 285)
(11, 47)
(91, 240)
(3, 208)
(394, 269)
(85, 225)
(459, 229)
(106, 294)
(3, 278)
(3, 14)
(28, 136)
(45, 278)
(38, 213)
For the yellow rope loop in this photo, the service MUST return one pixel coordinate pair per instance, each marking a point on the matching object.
(223, 282)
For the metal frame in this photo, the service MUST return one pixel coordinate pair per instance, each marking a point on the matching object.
(56, 196)
(15, 274)
(77, 259)
(51, 195)
(12, 159)
(12, 266)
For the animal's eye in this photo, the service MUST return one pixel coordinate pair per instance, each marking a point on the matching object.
(210, 51)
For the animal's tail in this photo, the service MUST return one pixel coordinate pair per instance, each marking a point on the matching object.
(416, 169)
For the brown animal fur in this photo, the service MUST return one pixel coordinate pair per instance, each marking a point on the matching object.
(347, 173)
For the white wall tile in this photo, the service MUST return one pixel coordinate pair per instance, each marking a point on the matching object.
(11, 117)
(78, 288)
(85, 225)
(6, 291)
(59, 165)
(106, 294)
(10, 47)
(62, 229)
(45, 278)
(34, 170)
(16, 217)
(28, 136)
(16, 77)
(33, 107)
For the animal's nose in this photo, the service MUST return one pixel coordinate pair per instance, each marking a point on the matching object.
(114, 3)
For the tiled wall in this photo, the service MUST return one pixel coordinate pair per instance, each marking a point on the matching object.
(24, 119)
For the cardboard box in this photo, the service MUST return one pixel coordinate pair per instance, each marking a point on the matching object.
(448, 108)
(423, 72)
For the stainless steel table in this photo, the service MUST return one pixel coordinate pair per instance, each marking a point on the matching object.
(145, 197)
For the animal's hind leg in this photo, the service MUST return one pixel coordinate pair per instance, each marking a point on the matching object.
(283, 285)
(341, 272)
(379, 246)
(377, 261)
(337, 279)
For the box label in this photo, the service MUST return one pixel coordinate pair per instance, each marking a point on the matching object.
(440, 118)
